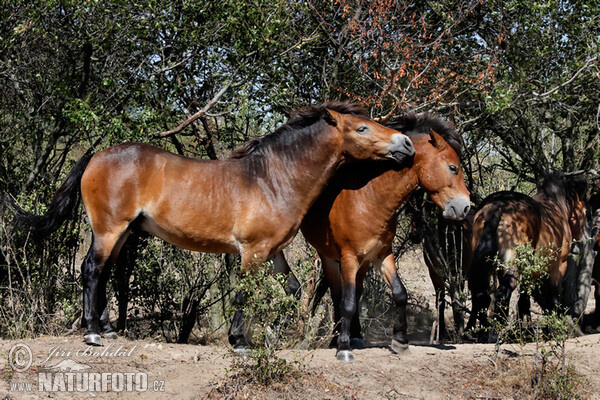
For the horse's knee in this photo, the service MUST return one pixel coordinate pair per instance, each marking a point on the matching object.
(399, 293)
(348, 306)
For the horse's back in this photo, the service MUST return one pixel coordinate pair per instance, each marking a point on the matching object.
(504, 220)
(174, 196)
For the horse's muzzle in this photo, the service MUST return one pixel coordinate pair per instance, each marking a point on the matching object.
(401, 148)
(457, 208)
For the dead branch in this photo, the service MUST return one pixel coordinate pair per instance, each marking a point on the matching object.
(199, 113)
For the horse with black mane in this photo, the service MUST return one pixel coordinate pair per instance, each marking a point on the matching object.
(212, 206)
(552, 219)
(353, 223)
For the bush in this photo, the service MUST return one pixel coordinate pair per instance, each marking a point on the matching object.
(268, 310)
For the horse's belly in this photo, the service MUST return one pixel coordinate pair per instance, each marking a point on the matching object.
(191, 237)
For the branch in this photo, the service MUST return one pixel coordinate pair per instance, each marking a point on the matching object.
(198, 114)
(587, 64)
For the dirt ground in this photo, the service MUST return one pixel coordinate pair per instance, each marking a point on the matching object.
(155, 370)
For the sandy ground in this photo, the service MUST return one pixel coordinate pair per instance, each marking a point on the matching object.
(159, 370)
(192, 371)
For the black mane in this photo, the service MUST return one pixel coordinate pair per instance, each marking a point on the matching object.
(557, 185)
(413, 124)
(302, 122)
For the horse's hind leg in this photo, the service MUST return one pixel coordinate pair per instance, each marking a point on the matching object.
(94, 276)
(400, 296)
(91, 270)
(507, 284)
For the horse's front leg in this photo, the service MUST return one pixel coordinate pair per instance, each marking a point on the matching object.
(349, 268)
(331, 271)
(236, 330)
(252, 259)
(281, 266)
(387, 268)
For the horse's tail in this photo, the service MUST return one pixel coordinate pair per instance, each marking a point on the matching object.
(483, 255)
(64, 201)
(482, 266)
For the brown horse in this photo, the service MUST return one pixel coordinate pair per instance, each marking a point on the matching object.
(214, 206)
(354, 222)
(552, 218)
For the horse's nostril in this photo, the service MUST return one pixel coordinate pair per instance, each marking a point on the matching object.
(467, 208)
(408, 144)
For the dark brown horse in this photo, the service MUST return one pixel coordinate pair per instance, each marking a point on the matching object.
(447, 252)
(552, 218)
(595, 317)
(214, 206)
(354, 222)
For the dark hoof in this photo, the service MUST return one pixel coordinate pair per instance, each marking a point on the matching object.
(345, 355)
(357, 343)
(398, 347)
(110, 335)
(93, 339)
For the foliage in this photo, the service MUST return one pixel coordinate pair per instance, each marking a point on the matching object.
(555, 377)
(267, 309)
(529, 265)
(552, 376)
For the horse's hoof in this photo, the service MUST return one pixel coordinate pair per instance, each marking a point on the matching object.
(241, 352)
(357, 343)
(93, 339)
(345, 355)
(110, 335)
(398, 347)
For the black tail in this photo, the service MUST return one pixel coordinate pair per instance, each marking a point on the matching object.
(485, 251)
(63, 203)
(482, 266)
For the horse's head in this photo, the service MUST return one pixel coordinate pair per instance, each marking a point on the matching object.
(440, 175)
(365, 139)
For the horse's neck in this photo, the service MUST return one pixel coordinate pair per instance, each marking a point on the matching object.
(555, 213)
(300, 179)
(554, 206)
(393, 187)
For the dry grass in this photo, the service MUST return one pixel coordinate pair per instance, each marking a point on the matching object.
(515, 378)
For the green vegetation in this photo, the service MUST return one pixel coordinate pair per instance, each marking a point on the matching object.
(549, 375)
(268, 310)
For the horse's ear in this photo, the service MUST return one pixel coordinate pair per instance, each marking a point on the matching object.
(328, 117)
(432, 139)
(437, 141)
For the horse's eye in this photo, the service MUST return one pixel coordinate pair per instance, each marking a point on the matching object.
(362, 129)
(453, 168)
